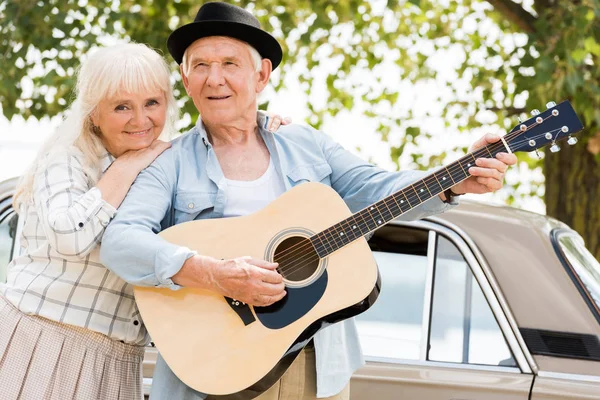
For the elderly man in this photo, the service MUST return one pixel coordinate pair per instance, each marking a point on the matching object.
(228, 165)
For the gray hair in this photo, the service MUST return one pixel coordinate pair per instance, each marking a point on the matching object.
(131, 68)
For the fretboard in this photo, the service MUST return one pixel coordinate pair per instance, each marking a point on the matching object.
(380, 213)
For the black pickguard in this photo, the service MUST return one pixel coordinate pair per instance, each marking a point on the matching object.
(290, 355)
(296, 303)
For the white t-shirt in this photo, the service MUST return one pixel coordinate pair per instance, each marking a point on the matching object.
(247, 197)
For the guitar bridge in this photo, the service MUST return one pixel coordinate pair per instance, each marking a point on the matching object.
(242, 310)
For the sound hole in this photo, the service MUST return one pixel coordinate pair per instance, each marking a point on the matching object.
(297, 259)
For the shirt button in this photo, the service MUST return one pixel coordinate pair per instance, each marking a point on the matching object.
(191, 205)
(136, 323)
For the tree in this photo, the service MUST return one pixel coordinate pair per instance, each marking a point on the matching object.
(506, 57)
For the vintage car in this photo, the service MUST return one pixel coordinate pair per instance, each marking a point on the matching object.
(483, 302)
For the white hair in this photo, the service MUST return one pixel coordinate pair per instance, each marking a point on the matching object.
(256, 58)
(109, 71)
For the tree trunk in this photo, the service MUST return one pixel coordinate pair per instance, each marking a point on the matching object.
(573, 191)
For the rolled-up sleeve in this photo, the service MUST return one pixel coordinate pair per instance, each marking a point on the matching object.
(131, 247)
(361, 184)
(73, 215)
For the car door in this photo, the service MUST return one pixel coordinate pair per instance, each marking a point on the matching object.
(437, 330)
(8, 225)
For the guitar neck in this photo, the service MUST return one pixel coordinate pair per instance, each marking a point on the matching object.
(380, 213)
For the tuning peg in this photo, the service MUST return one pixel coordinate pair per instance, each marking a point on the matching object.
(572, 140)
(550, 104)
(555, 148)
(520, 120)
(539, 156)
(535, 112)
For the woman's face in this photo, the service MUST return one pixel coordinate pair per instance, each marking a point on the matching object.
(130, 121)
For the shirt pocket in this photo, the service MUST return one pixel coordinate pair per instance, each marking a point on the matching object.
(311, 173)
(190, 205)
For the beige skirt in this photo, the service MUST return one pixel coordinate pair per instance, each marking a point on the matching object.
(41, 359)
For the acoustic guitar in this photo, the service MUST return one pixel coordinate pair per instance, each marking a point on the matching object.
(230, 350)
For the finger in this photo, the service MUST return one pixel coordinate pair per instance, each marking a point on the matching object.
(264, 300)
(275, 123)
(262, 263)
(272, 289)
(286, 121)
(486, 173)
(491, 163)
(490, 183)
(508, 159)
(271, 276)
(485, 140)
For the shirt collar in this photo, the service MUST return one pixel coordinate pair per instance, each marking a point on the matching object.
(106, 161)
(262, 120)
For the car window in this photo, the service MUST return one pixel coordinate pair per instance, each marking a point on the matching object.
(583, 264)
(391, 328)
(7, 229)
(463, 327)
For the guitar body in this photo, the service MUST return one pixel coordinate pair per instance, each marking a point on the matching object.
(222, 347)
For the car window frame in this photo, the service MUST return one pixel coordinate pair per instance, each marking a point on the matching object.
(482, 273)
(555, 236)
(7, 191)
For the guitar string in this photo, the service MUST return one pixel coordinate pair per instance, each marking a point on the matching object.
(307, 243)
(291, 268)
(499, 145)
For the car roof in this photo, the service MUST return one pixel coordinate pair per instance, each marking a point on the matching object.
(517, 246)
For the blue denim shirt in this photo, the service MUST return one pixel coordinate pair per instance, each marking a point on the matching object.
(186, 183)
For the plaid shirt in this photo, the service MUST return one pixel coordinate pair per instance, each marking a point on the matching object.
(58, 274)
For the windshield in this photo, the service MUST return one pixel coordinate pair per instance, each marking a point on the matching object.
(583, 264)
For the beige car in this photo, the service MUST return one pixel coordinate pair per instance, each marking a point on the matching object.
(483, 302)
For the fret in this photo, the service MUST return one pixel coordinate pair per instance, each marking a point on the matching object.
(331, 238)
(325, 241)
(415, 190)
(488, 150)
(402, 201)
(362, 224)
(369, 220)
(348, 233)
(376, 213)
(434, 186)
(319, 247)
(391, 207)
(449, 174)
(422, 190)
(465, 163)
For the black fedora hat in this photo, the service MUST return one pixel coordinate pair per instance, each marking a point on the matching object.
(223, 19)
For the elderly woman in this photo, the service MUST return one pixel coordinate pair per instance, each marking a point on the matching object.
(69, 327)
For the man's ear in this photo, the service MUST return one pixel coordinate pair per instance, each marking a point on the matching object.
(184, 79)
(264, 75)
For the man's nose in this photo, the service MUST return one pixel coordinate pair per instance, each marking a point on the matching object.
(215, 75)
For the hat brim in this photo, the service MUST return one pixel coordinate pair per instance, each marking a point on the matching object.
(266, 45)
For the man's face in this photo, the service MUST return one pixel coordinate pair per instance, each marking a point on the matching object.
(222, 81)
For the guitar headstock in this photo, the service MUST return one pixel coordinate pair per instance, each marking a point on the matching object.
(546, 128)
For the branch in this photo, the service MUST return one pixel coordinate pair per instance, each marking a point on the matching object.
(511, 111)
(515, 13)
